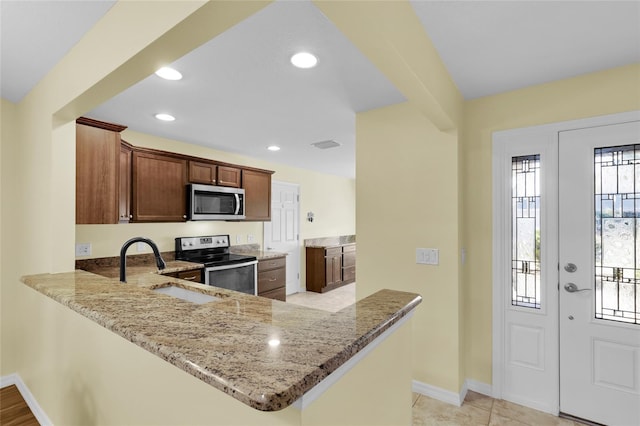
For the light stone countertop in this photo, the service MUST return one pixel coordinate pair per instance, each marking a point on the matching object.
(330, 241)
(225, 343)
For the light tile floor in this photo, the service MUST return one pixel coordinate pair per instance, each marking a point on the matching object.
(333, 300)
(477, 409)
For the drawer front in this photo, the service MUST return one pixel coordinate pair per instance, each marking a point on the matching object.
(272, 263)
(270, 280)
(349, 274)
(349, 259)
(194, 275)
(278, 294)
(334, 251)
(349, 248)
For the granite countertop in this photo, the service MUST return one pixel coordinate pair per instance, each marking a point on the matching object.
(136, 264)
(225, 343)
(172, 266)
(262, 255)
(330, 241)
(255, 250)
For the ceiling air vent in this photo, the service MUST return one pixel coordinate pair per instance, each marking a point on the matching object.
(326, 144)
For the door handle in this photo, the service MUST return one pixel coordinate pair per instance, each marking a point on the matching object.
(572, 288)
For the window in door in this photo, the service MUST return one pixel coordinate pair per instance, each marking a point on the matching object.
(617, 247)
(525, 231)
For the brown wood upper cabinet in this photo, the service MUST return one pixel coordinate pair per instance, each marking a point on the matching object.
(229, 176)
(213, 174)
(159, 187)
(125, 182)
(200, 172)
(98, 171)
(257, 195)
(118, 182)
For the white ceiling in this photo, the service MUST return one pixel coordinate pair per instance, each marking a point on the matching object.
(240, 94)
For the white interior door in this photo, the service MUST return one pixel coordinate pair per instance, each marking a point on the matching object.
(282, 234)
(599, 263)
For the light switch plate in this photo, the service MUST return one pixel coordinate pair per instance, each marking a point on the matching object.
(427, 256)
(249, 238)
(141, 246)
(238, 239)
(83, 249)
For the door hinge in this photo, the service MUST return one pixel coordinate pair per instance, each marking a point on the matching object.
(297, 237)
(298, 197)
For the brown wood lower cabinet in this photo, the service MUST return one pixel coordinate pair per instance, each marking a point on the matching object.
(330, 267)
(272, 278)
(194, 275)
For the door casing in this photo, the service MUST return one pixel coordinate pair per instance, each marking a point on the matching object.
(548, 133)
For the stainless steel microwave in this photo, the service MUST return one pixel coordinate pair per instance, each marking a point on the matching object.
(208, 202)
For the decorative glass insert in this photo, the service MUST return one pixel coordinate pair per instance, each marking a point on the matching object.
(525, 231)
(617, 247)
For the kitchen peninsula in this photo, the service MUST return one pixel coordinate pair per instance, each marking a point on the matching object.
(249, 360)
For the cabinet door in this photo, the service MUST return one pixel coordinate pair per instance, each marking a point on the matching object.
(229, 176)
(159, 188)
(202, 172)
(333, 272)
(125, 184)
(257, 195)
(97, 175)
(193, 275)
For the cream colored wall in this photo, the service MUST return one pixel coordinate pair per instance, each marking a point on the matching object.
(606, 92)
(8, 193)
(407, 197)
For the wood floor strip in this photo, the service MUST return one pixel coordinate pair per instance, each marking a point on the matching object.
(14, 411)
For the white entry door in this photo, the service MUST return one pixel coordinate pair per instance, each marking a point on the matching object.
(599, 264)
(282, 234)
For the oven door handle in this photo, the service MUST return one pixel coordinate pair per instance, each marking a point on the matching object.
(237, 204)
(233, 265)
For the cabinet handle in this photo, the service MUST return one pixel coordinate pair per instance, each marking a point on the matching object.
(272, 279)
(184, 216)
(130, 216)
(190, 278)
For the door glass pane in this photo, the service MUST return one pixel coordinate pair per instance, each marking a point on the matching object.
(525, 231)
(617, 249)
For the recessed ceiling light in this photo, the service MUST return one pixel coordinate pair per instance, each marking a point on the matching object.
(165, 117)
(169, 73)
(273, 148)
(304, 60)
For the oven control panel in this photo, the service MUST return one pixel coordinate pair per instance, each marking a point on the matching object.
(206, 242)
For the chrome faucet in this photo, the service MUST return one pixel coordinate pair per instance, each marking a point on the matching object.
(123, 255)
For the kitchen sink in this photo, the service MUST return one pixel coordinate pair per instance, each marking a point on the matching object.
(188, 295)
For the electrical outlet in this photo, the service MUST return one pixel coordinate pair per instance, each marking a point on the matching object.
(141, 247)
(427, 256)
(249, 238)
(238, 239)
(83, 249)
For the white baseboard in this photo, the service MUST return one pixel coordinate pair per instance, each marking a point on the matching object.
(38, 412)
(450, 397)
(479, 387)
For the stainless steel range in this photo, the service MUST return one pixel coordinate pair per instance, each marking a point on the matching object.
(222, 269)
